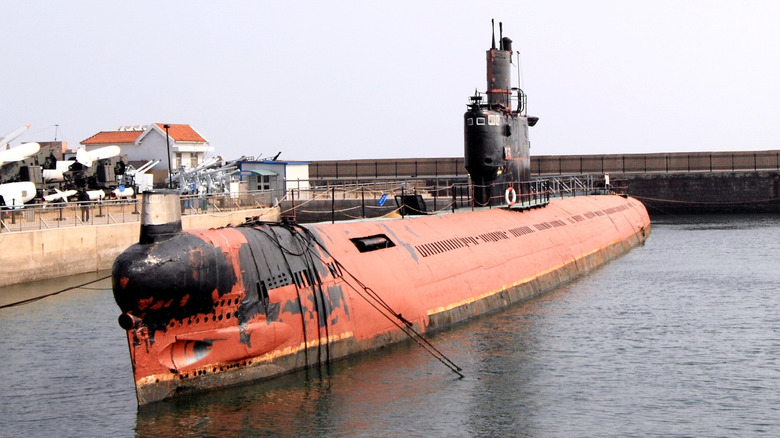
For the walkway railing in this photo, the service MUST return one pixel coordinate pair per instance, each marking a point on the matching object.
(117, 211)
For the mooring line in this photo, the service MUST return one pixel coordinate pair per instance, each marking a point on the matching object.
(32, 300)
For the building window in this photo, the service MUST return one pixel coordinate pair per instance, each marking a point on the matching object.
(176, 160)
(264, 182)
(193, 160)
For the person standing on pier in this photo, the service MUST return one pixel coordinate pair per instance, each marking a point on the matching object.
(84, 203)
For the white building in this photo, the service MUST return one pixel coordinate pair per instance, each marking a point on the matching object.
(142, 143)
(275, 176)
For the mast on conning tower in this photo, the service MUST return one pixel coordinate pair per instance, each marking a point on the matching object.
(499, 82)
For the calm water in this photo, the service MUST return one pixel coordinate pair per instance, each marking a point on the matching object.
(680, 337)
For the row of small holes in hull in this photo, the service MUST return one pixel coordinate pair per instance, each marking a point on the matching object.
(206, 318)
(221, 368)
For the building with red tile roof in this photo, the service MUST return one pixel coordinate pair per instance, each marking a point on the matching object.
(142, 143)
(112, 137)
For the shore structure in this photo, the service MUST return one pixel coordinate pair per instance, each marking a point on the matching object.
(57, 252)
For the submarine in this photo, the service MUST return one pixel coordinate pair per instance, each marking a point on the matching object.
(208, 309)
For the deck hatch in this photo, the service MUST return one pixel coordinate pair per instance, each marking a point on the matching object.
(372, 243)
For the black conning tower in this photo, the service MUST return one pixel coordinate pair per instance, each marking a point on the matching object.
(496, 134)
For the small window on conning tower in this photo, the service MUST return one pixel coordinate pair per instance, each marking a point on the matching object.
(372, 243)
(480, 120)
(469, 121)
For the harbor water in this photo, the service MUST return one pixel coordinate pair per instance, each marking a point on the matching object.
(680, 337)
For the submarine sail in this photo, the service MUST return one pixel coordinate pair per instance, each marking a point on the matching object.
(497, 149)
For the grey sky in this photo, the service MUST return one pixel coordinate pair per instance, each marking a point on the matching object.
(337, 80)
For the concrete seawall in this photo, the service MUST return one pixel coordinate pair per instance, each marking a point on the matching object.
(704, 192)
(43, 254)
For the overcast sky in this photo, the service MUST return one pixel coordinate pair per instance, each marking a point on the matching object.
(319, 80)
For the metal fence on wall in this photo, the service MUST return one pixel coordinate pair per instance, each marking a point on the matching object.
(656, 163)
(114, 211)
(553, 165)
(400, 168)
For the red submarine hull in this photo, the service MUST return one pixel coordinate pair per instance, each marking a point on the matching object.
(213, 308)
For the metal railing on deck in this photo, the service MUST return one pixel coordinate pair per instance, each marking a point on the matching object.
(376, 198)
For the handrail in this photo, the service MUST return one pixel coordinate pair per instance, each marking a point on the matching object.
(115, 211)
(438, 197)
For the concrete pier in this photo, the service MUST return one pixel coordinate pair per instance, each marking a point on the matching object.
(43, 254)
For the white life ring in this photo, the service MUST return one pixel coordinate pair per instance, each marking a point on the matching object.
(510, 196)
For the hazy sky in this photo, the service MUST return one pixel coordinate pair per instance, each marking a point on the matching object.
(322, 80)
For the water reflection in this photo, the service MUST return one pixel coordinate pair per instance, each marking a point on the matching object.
(398, 390)
(359, 396)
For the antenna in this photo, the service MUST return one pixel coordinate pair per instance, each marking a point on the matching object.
(493, 31)
(501, 34)
(519, 75)
(521, 104)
